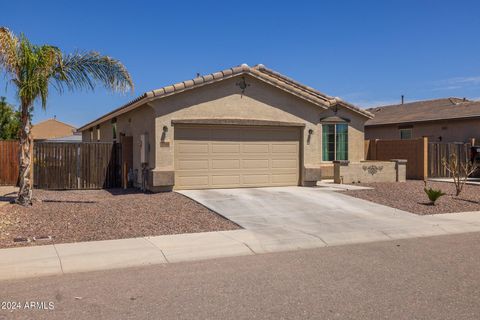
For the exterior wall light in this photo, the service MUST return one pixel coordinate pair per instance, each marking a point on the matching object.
(310, 132)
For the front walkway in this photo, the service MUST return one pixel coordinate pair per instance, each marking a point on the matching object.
(276, 219)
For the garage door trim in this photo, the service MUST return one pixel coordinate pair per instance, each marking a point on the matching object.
(219, 156)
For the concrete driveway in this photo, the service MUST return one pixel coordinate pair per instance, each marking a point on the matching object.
(322, 214)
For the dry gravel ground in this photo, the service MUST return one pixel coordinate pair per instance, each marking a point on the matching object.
(87, 215)
(410, 196)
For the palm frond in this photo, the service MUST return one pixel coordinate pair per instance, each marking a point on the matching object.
(36, 64)
(84, 70)
(8, 50)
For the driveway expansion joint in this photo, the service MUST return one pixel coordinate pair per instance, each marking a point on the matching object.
(59, 259)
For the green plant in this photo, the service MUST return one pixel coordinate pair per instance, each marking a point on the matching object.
(433, 194)
(34, 69)
(9, 121)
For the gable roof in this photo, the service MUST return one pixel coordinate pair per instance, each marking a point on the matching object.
(259, 71)
(427, 110)
(52, 128)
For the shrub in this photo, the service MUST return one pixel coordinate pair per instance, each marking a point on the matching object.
(433, 195)
(459, 169)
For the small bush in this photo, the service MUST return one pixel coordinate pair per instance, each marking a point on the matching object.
(433, 195)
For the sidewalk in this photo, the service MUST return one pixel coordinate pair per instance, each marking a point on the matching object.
(59, 259)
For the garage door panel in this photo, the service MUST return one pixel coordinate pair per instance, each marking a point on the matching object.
(256, 179)
(225, 180)
(235, 157)
(255, 163)
(256, 148)
(285, 148)
(192, 164)
(226, 164)
(226, 148)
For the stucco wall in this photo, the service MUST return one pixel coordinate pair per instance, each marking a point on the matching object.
(223, 99)
(450, 131)
(134, 123)
(260, 102)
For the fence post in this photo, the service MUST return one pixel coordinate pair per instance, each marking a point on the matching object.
(423, 159)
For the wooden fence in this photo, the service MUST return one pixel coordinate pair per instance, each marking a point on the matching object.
(414, 151)
(77, 165)
(9, 162)
(438, 151)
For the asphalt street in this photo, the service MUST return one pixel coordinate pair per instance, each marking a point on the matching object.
(424, 278)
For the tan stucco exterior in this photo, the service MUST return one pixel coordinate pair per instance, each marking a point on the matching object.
(51, 128)
(452, 130)
(135, 123)
(224, 100)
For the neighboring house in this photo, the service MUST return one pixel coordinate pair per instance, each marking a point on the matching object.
(51, 128)
(241, 127)
(441, 120)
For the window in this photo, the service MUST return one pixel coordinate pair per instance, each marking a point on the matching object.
(406, 134)
(114, 129)
(98, 133)
(335, 142)
(91, 134)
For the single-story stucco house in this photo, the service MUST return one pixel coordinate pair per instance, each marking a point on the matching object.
(441, 120)
(240, 127)
(52, 129)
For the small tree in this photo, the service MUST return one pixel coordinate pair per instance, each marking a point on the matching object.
(460, 171)
(9, 121)
(34, 69)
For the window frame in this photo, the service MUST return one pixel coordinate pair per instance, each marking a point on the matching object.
(400, 130)
(98, 134)
(114, 130)
(335, 139)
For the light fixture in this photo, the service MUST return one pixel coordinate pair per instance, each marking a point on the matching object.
(165, 129)
(310, 131)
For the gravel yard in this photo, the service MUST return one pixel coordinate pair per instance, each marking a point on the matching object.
(87, 215)
(409, 196)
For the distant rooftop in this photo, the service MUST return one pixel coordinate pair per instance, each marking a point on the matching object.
(425, 110)
(52, 128)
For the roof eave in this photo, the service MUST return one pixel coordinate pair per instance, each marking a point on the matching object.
(421, 121)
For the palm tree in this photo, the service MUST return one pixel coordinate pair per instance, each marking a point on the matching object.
(34, 69)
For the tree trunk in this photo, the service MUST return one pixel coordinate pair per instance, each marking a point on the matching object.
(24, 179)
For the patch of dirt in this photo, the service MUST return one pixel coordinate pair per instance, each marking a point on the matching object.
(410, 196)
(87, 215)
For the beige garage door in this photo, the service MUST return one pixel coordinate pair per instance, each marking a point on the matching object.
(230, 157)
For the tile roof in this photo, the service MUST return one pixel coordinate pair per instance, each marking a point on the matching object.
(427, 110)
(259, 71)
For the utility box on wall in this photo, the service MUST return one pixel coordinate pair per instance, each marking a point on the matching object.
(144, 148)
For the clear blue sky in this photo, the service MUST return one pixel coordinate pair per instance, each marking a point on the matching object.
(367, 52)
